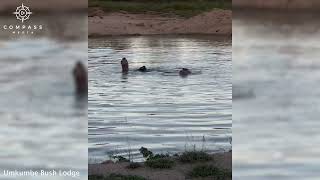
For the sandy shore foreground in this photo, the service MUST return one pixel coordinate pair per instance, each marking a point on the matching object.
(217, 22)
(178, 172)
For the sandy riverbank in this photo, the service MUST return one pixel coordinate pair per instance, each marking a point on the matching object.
(179, 172)
(217, 22)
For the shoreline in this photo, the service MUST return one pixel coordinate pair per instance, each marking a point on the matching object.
(223, 36)
(179, 171)
(216, 22)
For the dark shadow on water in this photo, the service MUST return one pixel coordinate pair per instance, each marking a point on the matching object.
(81, 101)
(124, 76)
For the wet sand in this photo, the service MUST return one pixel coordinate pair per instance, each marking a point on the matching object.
(217, 22)
(178, 172)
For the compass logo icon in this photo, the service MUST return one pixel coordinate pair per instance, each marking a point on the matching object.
(22, 13)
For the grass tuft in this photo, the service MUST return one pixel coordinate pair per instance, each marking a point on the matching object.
(160, 163)
(194, 156)
(210, 171)
(121, 159)
(145, 152)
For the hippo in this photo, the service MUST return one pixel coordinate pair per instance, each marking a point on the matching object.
(125, 65)
(142, 69)
(184, 72)
(80, 76)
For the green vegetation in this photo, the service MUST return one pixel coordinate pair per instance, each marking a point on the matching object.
(115, 177)
(165, 161)
(121, 159)
(194, 156)
(201, 169)
(146, 153)
(184, 8)
(161, 161)
(210, 171)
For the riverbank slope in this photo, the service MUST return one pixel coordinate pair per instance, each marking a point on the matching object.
(180, 171)
(216, 22)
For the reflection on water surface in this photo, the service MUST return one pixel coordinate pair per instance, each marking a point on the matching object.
(159, 109)
(276, 107)
(43, 123)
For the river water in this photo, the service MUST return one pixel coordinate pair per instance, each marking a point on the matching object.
(43, 123)
(276, 96)
(159, 109)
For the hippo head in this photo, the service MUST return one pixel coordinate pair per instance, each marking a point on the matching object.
(184, 72)
(143, 69)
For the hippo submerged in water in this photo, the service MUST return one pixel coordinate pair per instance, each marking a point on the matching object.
(125, 68)
(142, 69)
(184, 72)
(80, 76)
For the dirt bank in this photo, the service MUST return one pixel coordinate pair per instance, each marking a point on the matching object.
(277, 4)
(218, 22)
(179, 172)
